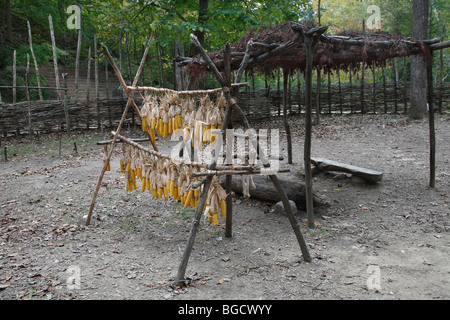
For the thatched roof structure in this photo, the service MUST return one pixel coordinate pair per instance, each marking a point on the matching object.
(282, 46)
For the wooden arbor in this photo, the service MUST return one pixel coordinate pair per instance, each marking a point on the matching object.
(212, 169)
(295, 46)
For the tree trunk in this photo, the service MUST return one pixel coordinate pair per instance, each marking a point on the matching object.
(202, 19)
(418, 94)
(8, 21)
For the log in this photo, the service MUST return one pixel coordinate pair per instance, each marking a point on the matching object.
(265, 191)
(329, 165)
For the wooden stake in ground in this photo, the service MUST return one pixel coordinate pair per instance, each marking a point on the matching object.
(285, 115)
(27, 83)
(311, 39)
(55, 56)
(77, 63)
(431, 122)
(122, 120)
(14, 77)
(30, 39)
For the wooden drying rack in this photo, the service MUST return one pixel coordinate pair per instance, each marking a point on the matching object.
(213, 169)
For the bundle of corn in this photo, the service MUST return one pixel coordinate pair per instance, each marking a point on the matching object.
(172, 180)
(215, 119)
(152, 114)
(130, 172)
(175, 112)
(200, 122)
(215, 201)
(146, 113)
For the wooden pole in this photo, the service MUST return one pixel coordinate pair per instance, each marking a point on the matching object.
(384, 89)
(77, 63)
(374, 102)
(319, 85)
(395, 86)
(66, 110)
(405, 90)
(55, 56)
(14, 77)
(107, 80)
(351, 88)
(431, 122)
(285, 115)
(363, 68)
(329, 91)
(441, 58)
(311, 39)
(229, 178)
(88, 89)
(96, 81)
(27, 83)
(30, 39)
(340, 91)
(308, 134)
(122, 120)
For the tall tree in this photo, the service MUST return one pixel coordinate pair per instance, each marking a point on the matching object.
(8, 20)
(202, 19)
(418, 93)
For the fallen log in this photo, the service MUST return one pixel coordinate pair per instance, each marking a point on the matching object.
(265, 191)
(329, 165)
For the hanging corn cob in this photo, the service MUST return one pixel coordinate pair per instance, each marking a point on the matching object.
(145, 113)
(215, 202)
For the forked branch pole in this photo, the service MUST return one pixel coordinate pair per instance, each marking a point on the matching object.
(119, 128)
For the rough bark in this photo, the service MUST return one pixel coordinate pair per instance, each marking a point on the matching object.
(418, 93)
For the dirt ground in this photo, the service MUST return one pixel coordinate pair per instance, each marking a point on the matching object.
(383, 241)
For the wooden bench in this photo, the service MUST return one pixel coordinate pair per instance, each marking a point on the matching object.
(329, 165)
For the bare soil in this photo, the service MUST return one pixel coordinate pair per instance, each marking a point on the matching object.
(375, 241)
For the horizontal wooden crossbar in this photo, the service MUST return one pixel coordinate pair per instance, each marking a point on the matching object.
(183, 93)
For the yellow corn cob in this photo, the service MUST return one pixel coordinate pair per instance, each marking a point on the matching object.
(153, 123)
(166, 130)
(152, 135)
(139, 173)
(166, 193)
(129, 167)
(170, 125)
(178, 121)
(223, 208)
(175, 194)
(159, 193)
(215, 218)
(154, 193)
(187, 201)
(108, 167)
(122, 169)
(160, 127)
(144, 124)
